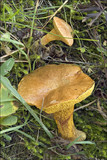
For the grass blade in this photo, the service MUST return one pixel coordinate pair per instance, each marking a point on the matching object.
(84, 142)
(25, 134)
(73, 142)
(12, 129)
(11, 41)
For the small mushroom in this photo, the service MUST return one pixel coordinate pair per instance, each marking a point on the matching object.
(56, 89)
(61, 31)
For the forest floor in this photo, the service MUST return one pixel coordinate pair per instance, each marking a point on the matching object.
(21, 24)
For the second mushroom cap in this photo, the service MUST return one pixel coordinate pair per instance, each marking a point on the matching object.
(61, 31)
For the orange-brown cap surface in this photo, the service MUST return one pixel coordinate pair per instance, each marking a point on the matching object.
(63, 29)
(56, 87)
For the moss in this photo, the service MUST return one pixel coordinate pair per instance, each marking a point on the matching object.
(94, 132)
(37, 148)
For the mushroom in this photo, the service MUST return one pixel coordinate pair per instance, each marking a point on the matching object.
(61, 31)
(56, 89)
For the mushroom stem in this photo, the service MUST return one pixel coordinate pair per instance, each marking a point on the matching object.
(65, 124)
(49, 37)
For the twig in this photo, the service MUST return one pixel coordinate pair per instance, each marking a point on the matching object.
(101, 123)
(66, 61)
(9, 32)
(10, 54)
(85, 106)
(101, 112)
(55, 13)
(90, 24)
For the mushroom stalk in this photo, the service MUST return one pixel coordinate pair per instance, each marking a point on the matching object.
(49, 37)
(65, 124)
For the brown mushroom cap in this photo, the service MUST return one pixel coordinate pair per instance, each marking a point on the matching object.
(57, 87)
(63, 29)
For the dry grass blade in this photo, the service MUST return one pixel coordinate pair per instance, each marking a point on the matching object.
(85, 106)
(55, 13)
